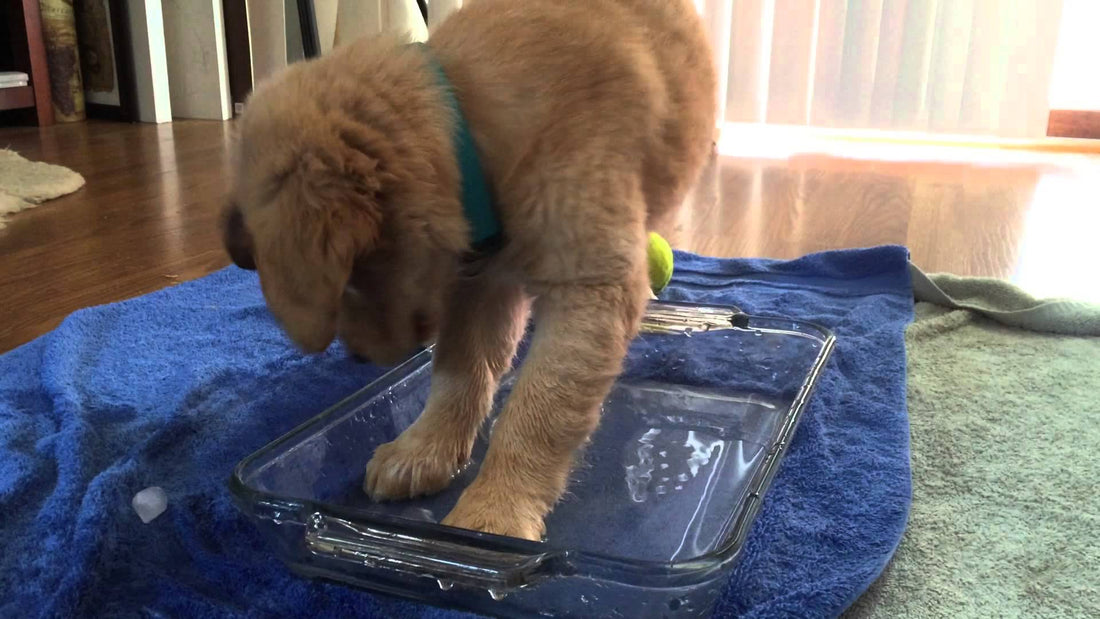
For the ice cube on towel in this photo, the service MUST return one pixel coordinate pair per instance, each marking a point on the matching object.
(150, 503)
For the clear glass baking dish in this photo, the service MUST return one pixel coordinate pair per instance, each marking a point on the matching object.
(659, 505)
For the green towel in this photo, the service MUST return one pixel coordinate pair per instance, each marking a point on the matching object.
(1006, 304)
(1004, 407)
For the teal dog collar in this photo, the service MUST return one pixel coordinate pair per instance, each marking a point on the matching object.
(477, 201)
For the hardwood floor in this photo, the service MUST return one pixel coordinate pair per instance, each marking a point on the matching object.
(146, 219)
(148, 215)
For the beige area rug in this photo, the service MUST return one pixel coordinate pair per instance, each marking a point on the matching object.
(25, 184)
(1004, 413)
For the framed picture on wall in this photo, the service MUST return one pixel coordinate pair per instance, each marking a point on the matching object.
(106, 59)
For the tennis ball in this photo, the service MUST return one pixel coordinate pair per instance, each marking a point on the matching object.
(660, 262)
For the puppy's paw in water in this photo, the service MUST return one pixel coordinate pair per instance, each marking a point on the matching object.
(482, 509)
(412, 466)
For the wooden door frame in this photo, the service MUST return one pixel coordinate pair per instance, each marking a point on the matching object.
(1074, 124)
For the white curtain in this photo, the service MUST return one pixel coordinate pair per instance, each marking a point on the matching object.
(954, 66)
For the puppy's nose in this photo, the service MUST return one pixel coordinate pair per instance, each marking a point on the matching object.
(237, 241)
(359, 358)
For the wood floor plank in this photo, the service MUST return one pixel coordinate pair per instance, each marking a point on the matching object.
(148, 216)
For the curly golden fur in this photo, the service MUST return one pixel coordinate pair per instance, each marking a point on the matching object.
(593, 119)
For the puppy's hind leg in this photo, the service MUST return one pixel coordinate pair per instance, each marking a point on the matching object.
(481, 328)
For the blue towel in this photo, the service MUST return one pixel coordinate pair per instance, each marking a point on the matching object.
(174, 388)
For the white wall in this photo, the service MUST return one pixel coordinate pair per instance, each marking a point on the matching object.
(326, 22)
(198, 76)
(150, 63)
(359, 18)
(267, 33)
(438, 10)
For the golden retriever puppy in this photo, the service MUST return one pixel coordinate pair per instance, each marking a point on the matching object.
(592, 119)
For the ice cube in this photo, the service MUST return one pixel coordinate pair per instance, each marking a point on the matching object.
(150, 503)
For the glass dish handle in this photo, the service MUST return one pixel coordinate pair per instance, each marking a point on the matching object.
(450, 563)
(670, 318)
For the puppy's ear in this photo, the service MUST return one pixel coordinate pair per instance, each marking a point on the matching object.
(236, 239)
(326, 213)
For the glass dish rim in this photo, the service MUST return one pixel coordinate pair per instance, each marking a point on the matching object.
(698, 566)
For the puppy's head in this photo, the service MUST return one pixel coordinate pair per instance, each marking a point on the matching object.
(313, 209)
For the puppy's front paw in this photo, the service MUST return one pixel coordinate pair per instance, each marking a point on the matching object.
(415, 464)
(482, 509)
